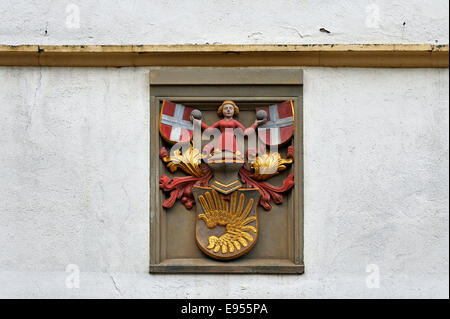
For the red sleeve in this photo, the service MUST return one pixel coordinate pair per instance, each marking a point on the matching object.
(204, 126)
(215, 125)
(239, 125)
(247, 131)
(250, 130)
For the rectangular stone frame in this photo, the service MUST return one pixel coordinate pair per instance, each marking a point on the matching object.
(211, 84)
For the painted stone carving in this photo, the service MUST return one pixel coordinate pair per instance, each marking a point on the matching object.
(225, 182)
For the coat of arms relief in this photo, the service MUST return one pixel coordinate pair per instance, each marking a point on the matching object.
(227, 177)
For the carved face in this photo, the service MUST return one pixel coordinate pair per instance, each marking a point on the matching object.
(228, 110)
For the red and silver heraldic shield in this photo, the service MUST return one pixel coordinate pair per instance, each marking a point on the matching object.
(280, 125)
(174, 123)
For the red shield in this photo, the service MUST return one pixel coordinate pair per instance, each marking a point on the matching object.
(174, 123)
(280, 125)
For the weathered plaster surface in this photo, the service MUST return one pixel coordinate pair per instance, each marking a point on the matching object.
(74, 149)
(223, 22)
(74, 146)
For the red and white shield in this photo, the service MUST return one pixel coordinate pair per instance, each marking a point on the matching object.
(280, 123)
(174, 123)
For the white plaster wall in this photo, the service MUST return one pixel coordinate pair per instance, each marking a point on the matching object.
(224, 22)
(74, 146)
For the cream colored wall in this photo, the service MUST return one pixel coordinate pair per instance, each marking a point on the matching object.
(74, 187)
(74, 146)
(223, 22)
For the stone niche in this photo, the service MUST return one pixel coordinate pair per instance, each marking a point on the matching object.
(279, 244)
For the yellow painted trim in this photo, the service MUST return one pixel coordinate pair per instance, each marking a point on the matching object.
(338, 55)
(225, 191)
(232, 183)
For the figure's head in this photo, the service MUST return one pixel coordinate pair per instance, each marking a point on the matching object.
(228, 109)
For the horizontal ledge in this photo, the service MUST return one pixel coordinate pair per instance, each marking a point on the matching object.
(338, 55)
(252, 266)
(186, 48)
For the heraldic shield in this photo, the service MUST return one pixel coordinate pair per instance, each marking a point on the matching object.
(175, 126)
(280, 125)
(226, 226)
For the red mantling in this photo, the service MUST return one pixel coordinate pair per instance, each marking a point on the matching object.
(267, 191)
(181, 187)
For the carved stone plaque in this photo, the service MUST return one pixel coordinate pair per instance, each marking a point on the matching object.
(218, 157)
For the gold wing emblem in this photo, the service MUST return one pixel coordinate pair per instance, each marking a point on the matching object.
(268, 165)
(189, 161)
(232, 214)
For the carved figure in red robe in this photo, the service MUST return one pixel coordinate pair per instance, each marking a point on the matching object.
(227, 126)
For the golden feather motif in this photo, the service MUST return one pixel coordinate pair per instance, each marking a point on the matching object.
(268, 165)
(189, 161)
(232, 214)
